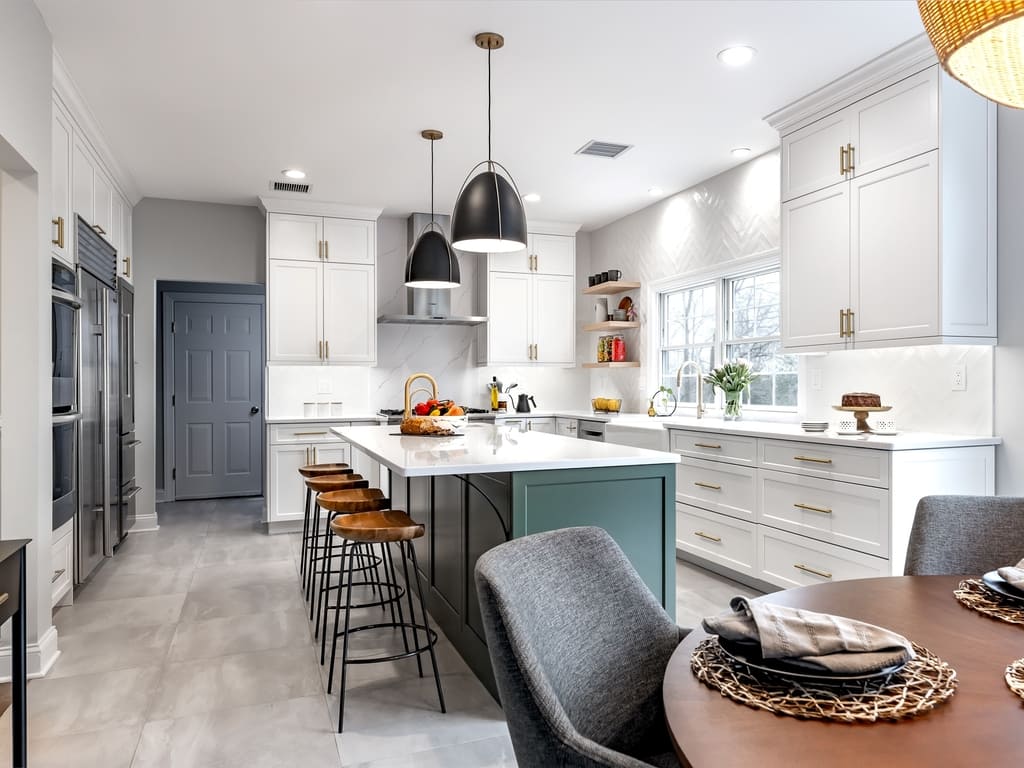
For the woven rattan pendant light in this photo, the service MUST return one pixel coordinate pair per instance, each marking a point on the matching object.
(489, 215)
(432, 262)
(981, 44)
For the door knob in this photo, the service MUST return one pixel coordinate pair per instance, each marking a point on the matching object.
(254, 410)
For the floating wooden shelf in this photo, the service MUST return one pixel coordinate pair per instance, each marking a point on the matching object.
(628, 364)
(612, 286)
(611, 325)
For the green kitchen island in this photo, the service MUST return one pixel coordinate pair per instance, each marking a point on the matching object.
(494, 483)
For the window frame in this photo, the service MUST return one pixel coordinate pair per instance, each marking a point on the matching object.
(720, 275)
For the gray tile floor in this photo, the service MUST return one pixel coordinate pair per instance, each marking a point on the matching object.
(190, 648)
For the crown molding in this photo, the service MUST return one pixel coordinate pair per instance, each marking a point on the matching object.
(892, 66)
(86, 123)
(551, 227)
(317, 208)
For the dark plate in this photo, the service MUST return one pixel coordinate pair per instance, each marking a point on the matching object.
(1001, 586)
(750, 655)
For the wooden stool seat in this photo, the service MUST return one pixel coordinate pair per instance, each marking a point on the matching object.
(318, 470)
(354, 500)
(336, 483)
(377, 527)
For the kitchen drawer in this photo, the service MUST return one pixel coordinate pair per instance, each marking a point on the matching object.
(724, 540)
(846, 514)
(305, 433)
(62, 563)
(788, 560)
(717, 486)
(832, 462)
(713, 445)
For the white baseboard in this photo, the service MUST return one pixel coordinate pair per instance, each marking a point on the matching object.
(40, 656)
(284, 526)
(145, 523)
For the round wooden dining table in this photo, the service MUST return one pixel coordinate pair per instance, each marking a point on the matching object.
(981, 725)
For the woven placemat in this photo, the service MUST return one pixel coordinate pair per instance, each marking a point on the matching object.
(977, 597)
(921, 685)
(1015, 677)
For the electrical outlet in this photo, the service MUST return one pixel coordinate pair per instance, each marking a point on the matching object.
(323, 386)
(959, 381)
(816, 379)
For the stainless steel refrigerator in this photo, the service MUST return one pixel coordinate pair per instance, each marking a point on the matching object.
(97, 525)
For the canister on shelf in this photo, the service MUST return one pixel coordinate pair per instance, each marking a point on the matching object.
(601, 349)
(618, 349)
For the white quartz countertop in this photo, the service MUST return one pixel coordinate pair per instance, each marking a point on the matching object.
(491, 448)
(324, 419)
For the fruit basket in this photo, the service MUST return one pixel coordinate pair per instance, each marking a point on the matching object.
(606, 404)
(432, 417)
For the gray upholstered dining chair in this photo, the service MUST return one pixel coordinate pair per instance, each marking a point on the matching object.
(579, 647)
(965, 534)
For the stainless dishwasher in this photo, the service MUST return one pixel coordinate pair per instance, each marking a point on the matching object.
(590, 430)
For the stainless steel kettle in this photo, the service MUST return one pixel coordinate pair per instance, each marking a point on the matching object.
(523, 403)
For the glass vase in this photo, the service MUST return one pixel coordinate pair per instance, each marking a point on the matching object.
(733, 406)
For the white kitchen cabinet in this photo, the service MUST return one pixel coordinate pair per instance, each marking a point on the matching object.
(103, 204)
(61, 219)
(286, 489)
(321, 289)
(294, 311)
(124, 248)
(566, 427)
(62, 562)
(541, 424)
(892, 241)
(82, 176)
(531, 313)
(350, 313)
(794, 512)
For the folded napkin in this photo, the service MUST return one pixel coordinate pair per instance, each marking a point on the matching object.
(1014, 574)
(817, 641)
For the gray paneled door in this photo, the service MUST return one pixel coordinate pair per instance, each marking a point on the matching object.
(218, 394)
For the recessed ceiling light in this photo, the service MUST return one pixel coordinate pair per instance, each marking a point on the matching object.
(736, 55)
(655, 191)
(531, 197)
(294, 173)
(741, 151)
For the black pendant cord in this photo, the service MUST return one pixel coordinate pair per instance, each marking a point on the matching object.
(431, 182)
(490, 166)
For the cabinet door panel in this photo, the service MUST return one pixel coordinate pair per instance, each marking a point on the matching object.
(61, 191)
(287, 490)
(294, 237)
(125, 251)
(333, 453)
(82, 172)
(895, 251)
(810, 156)
(516, 261)
(351, 241)
(897, 123)
(815, 267)
(103, 204)
(554, 254)
(508, 326)
(294, 311)
(554, 312)
(350, 313)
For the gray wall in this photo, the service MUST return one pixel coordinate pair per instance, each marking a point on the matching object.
(1009, 355)
(183, 241)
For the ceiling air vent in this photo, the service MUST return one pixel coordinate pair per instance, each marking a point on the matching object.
(606, 149)
(289, 186)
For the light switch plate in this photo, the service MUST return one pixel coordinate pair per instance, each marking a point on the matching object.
(323, 386)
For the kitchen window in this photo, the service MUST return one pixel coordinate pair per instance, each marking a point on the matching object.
(727, 317)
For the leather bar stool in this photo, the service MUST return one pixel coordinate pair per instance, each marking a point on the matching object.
(314, 470)
(344, 503)
(315, 538)
(389, 526)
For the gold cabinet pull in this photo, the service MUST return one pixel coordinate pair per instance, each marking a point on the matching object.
(307, 434)
(707, 536)
(712, 486)
(127, 261)
(56, 575)
(823, 510)
(707, 445)
(849, 322)
(327, 250)
(842, 323)
(320, 249)
(327, 349)
(823, 574)
(59, 223)
(842, 160)
(315, 458)
(99, 229)
(850, 167)
(812, 459)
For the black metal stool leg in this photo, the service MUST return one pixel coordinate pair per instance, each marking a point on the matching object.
(305, 536)
(426, 622)
(325, 576)
(412, 613)
(314, 545)
(344, 653)
(337, 616)
(394, 592)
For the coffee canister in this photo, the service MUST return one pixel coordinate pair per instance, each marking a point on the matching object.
(600, 310)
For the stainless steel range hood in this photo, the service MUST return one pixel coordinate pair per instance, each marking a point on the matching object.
(429, 306)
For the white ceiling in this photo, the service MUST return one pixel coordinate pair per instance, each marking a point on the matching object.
(209, 99)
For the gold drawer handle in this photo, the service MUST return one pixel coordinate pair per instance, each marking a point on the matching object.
(707, 536)
(823, 574)
(59, 223)
(813, 459)
(304, 434)
(823, 510)
(4, 597)
(712, 486)
(99, 229)
(56, 575)
(707, 445)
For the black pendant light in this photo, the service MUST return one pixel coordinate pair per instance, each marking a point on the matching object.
(432, 262)
(489, 215)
